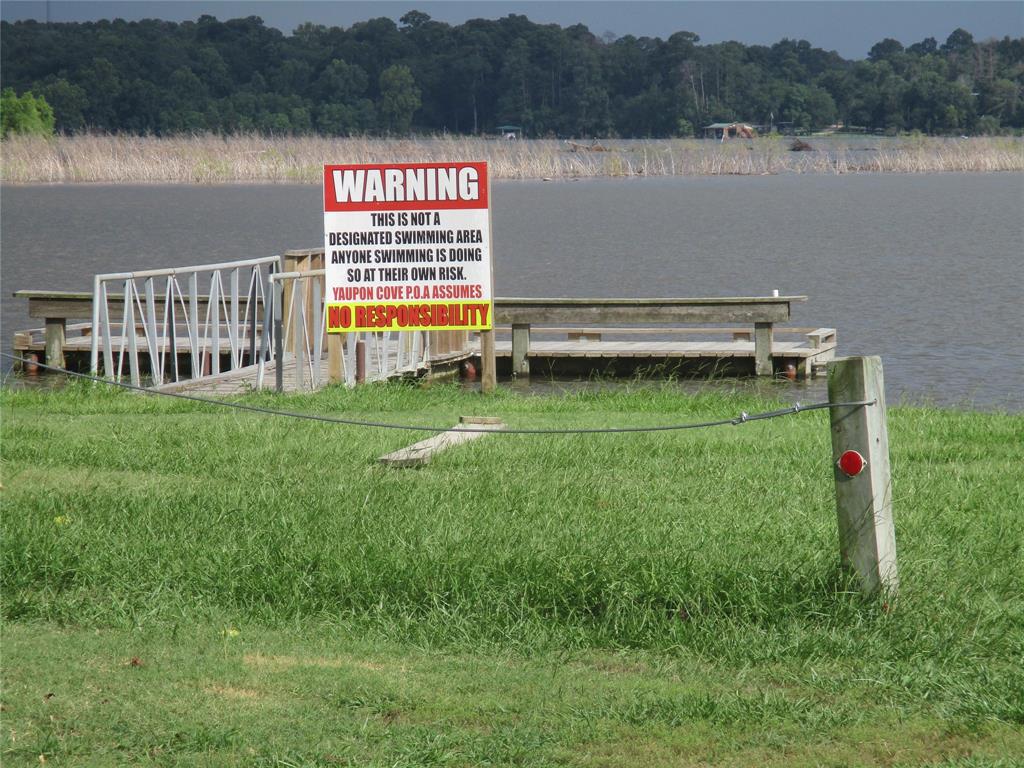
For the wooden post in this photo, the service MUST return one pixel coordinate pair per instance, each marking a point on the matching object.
(360, 361)
(334, 354)
(55, 334)
(763, 349)
(488, 362)
(867, 539)
(520, 349)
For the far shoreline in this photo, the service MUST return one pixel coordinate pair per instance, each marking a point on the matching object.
(207, 160)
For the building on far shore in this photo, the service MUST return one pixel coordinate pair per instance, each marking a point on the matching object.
(509, 131)
(723, 131)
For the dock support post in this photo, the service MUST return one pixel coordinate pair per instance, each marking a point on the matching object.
(867, 538)
(488, 374)
(360, 362)
(763, 349)
(55, 334)
(520, 349)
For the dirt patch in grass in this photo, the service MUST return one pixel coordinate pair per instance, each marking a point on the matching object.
(291, 662)
(233, 692)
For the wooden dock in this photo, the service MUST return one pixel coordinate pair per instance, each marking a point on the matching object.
(724, 336)
(622, 351)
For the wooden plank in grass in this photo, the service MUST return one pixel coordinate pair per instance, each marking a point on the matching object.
(419, 454)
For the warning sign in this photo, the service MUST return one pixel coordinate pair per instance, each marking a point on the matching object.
(407, 247)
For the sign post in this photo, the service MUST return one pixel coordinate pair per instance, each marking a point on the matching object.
(488, 360)
(407, 247)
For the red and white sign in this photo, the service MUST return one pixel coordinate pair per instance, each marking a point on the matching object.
(407, 247)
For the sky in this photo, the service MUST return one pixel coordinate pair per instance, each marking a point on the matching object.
(849, 27)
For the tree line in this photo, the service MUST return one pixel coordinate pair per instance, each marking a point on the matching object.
(382, 77)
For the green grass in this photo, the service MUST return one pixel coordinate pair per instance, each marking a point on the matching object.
(669, 598)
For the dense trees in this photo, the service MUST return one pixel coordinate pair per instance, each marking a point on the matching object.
(26, 114)
(422, 75)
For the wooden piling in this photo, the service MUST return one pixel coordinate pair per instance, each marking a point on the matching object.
(56, 329)
(763, 349)
(360, 362)
(867, 539)
(488, 362)
(520, 349)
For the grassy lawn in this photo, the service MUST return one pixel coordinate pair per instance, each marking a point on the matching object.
(188, 585)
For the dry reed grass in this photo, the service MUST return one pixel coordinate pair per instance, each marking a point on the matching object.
(211, 159)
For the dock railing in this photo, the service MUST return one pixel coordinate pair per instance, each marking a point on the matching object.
(166, 327)
(202, 312)
(302, 345)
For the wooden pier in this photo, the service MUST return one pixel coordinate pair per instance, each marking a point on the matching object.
(618, 336)
(653, 352)
(546, 336)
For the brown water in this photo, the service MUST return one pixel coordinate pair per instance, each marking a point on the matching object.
(925, 270)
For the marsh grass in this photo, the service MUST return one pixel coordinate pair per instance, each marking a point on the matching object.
(208, 159)
(666, 598)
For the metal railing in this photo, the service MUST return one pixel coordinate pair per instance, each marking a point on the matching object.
(199, 313)
(301, 348)
(188, 323)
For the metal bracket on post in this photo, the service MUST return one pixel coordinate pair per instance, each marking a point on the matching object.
(860, 456)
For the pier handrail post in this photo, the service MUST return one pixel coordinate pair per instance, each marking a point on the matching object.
(94, 346)
(860, 457)
(290, 263)
(278, 336)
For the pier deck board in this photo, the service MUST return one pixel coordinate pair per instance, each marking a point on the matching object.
(242, 380)
(658, 349)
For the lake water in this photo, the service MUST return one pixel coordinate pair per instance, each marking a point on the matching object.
(925, 270)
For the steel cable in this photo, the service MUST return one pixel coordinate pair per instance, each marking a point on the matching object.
(743, 418)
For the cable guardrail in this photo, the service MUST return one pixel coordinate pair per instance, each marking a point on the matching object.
(743, 418)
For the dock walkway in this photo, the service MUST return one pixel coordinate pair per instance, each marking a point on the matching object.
(582, 352)
(247, 379)
(544, 356)
(213, 351)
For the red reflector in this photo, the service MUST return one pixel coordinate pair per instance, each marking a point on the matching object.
(851, 463)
